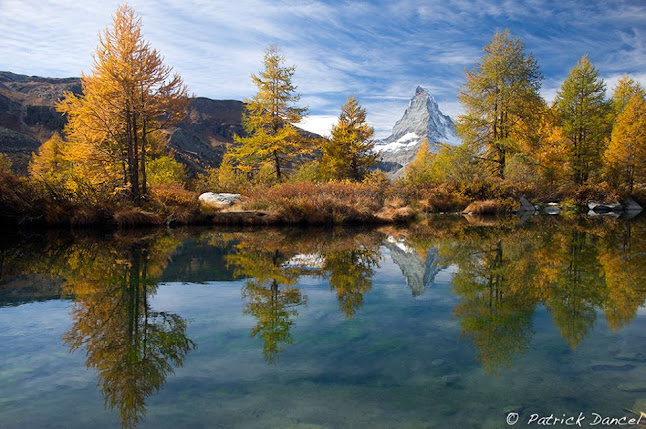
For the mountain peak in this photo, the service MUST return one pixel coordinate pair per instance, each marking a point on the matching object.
(422, 119)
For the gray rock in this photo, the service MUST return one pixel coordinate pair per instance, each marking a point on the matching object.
(450, 380)
(632, 387)
(525, 205)
(631, 205)
(552, 210)
(219, 200)
(604, 207)
(437, 362)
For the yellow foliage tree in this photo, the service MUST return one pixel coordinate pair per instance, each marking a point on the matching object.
(128, 96)
(268, 120)
(348, 154)
(625, 156)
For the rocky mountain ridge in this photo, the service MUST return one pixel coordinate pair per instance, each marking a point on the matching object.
(422, 119)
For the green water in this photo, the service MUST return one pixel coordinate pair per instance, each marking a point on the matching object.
(446, 324)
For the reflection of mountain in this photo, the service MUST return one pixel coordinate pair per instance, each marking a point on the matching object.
(419, 275)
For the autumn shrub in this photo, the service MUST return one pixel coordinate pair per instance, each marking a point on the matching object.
(490, 207)
(332, 202)
(176, 204)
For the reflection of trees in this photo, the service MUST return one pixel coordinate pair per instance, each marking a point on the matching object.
(494, 310)
(271, 297)
(505, 270)
(273, 260)
(579, 287)
(350, 274)
(132, 347)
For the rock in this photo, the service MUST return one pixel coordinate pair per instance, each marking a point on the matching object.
(219, 200)
(640, 405)
(450, 380)
(525, 205)
(592, 213)
(631, 205)
(634, 357)
(632, 387)
(604, 207)
(512, 409)
(612, 367)
(552, 209)
(437, 362)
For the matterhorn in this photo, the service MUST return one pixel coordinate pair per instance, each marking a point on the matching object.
(422, 120)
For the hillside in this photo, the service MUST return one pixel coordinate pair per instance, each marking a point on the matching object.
(28, 118)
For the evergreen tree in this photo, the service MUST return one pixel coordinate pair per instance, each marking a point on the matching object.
(129, 95)
(582, 112)
(268, 120)
(501, 99)
(626, 154)
(348, 154)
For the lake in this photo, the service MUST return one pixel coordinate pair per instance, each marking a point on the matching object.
(450, 323)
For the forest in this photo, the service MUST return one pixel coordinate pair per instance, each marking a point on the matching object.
(111, 165)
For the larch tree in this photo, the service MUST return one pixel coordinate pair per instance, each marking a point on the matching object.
(626, 153)
(269, 119)
(623, 92)
(420, 169)
(128, 96)
(583, 114)
(348, 154)
(501, 98)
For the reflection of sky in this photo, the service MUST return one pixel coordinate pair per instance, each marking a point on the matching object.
(378, 50)
(383, 368)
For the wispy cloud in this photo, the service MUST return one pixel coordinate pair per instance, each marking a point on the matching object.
(377, 50)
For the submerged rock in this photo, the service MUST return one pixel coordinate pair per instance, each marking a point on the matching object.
(612, 367)
(632, 387)
(219, 200)
(450, 380)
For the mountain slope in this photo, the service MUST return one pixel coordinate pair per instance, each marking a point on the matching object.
(422, 119)
(28, 118)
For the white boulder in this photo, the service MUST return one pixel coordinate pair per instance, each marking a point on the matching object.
(219, 200)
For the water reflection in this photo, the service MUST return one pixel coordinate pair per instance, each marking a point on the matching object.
(132, 347)
(502, 272)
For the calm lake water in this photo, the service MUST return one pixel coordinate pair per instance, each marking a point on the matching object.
(452, 323)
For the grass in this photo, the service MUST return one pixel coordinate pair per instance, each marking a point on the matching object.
(327, 203)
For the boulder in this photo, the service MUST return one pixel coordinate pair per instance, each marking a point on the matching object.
(631, 205)
(604, 207)
(219, 200)
(552, 208)
(525, 205)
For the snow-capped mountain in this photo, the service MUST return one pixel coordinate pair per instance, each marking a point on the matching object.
(422, 119)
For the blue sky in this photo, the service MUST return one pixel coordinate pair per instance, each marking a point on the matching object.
(379, 50)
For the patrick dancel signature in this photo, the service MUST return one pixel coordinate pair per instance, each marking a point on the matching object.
(580, 420)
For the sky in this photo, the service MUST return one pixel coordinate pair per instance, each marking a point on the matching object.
(379, 51)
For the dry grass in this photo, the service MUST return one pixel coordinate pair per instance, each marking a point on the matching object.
(327, 203)
(490, 207)
(135, 216)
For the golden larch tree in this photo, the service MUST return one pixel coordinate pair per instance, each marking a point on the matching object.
(128, 96)
(269, 119)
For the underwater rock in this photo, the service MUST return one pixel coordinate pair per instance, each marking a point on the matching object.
(634, 357)
(612, 367)
(632, 387)
(450, 380)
